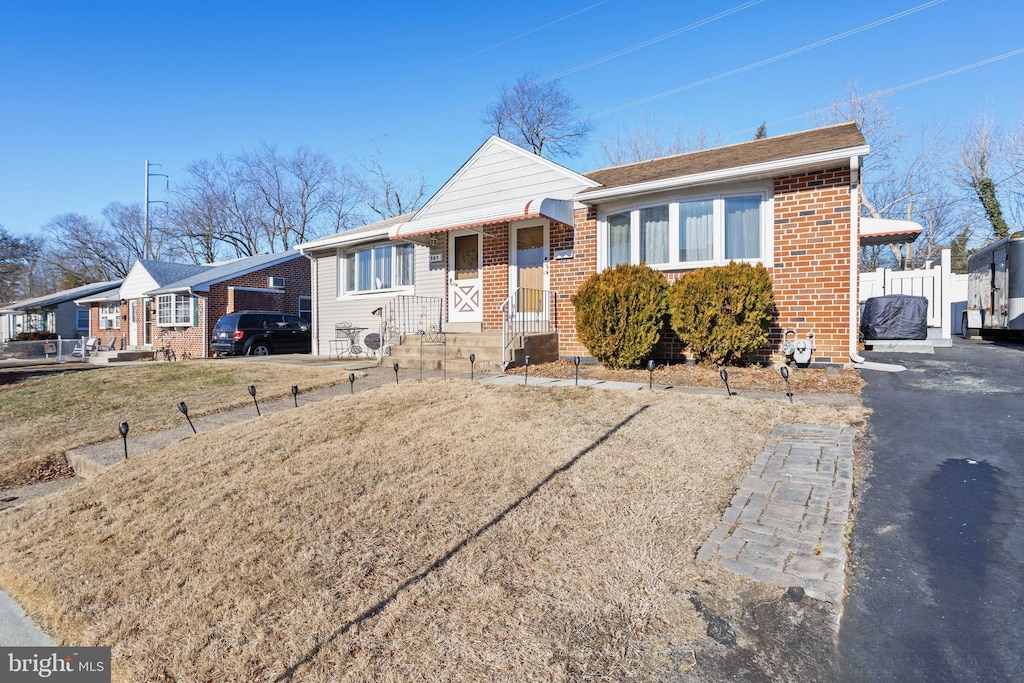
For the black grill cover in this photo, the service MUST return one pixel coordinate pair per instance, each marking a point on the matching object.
(895, 316)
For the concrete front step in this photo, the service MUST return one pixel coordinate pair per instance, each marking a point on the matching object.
(104, 357)
(487, 348)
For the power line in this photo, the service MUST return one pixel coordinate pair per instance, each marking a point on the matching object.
(770, 60)
(888, 91)
(576, 69)
(495, 46)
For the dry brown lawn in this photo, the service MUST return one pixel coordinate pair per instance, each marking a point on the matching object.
(428, 531)
(43, 418)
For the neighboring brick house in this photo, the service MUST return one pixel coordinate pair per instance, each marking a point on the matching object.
(176, 305)
(58, 313)
(509, 220)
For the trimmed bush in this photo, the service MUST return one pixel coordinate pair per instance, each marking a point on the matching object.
(40, 335)
(724, 312)
(620, 313)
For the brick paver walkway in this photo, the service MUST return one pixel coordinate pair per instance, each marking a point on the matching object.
(786, 524)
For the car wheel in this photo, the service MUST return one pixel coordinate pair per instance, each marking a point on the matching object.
(260, 349)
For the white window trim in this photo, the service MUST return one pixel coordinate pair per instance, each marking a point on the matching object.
(767, 257)
(174, 310)
(384, 291)
(114, 316)
(78, 323)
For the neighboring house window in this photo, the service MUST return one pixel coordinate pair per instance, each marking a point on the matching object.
(174, 310)
(82, 318)
(306, 308)
(690, 233)
(385, 266)
(110, 316)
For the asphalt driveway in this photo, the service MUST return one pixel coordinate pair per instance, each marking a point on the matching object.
(935, 579)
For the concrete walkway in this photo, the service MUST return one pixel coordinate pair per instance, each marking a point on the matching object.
(785, 525)
(787, 522)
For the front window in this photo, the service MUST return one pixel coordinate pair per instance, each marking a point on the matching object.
(690, 232)
(385, 266)
(82, 318)
(174, 310)
(110, 316)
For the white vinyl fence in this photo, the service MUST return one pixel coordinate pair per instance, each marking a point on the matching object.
(946, 292)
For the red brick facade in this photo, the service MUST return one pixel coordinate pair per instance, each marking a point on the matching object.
(810, 272)
(245, 292)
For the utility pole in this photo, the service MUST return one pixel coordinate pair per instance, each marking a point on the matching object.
(148, 245)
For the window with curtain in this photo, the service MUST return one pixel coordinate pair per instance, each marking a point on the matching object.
(742, 227)
(654, 235)
(618, 239)
(173, 309)
(696, 230)
(384, 266)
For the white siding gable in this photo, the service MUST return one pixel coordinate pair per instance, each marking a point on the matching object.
(137, 282)
(502, 172)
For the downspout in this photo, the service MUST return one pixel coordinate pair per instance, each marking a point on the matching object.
(314, 289)
(854, 256)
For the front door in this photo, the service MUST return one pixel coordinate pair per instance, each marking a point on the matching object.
(147, 322)
(529, 272)
(465, 299)
(133, 323)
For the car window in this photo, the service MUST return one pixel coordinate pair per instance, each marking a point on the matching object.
(273, 322)
(248, 321)
(226, 323)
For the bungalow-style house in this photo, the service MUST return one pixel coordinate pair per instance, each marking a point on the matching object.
(58, 314)
(515, 235)
(176, 305)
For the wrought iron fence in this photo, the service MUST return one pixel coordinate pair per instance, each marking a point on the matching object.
(405, 315)
(526, 311)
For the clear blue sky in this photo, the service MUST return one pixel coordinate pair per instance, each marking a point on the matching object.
(89, 90)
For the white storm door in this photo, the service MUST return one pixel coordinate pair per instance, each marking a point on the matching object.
(528, 272)
(133, 323)
(465, 278)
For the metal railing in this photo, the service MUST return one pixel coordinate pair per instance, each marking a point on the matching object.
(524, 312)
(405, 315)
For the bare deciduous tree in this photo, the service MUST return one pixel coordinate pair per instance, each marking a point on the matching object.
(539, 115)
(982, 149)
(388, 195)
(651, 140)
(16, 254)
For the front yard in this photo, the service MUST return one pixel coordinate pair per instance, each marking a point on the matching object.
(426, 531)
(43, 418)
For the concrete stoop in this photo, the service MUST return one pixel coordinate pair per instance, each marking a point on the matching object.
(457, 347)
(105, 357)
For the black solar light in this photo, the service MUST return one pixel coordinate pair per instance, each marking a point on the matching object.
(725, 378)
(784, 371)
(395, 368)
(123, 428)
(472, 366)
(184, 411)
(295, 394)
(351, 382)
(252, 392)
(526, 377)
(650, 374)
(576, 362)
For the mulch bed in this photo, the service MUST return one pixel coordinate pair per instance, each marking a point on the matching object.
(751, 378)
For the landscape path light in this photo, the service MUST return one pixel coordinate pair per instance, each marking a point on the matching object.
(295, 394)
(252, 392)
(472, 366)
(351, 382)
(395, 367)
(123, 428)
(576, 362)
(650, 374)
(526, 377)
(725, 378)
(184, 411)
(784, 371)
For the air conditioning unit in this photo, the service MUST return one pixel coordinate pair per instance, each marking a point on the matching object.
(275, 282)
(106, 324)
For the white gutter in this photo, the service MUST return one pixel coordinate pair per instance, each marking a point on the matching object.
(765, 168)
(854, 253)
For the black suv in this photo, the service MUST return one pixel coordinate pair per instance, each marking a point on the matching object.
(259, 333)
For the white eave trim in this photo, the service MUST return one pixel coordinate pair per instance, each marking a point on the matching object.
(347, 238)
(734, 173)
(561, 210)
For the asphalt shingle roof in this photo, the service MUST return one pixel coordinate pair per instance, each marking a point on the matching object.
(62, 296)
(214, 272)
(827, 139)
